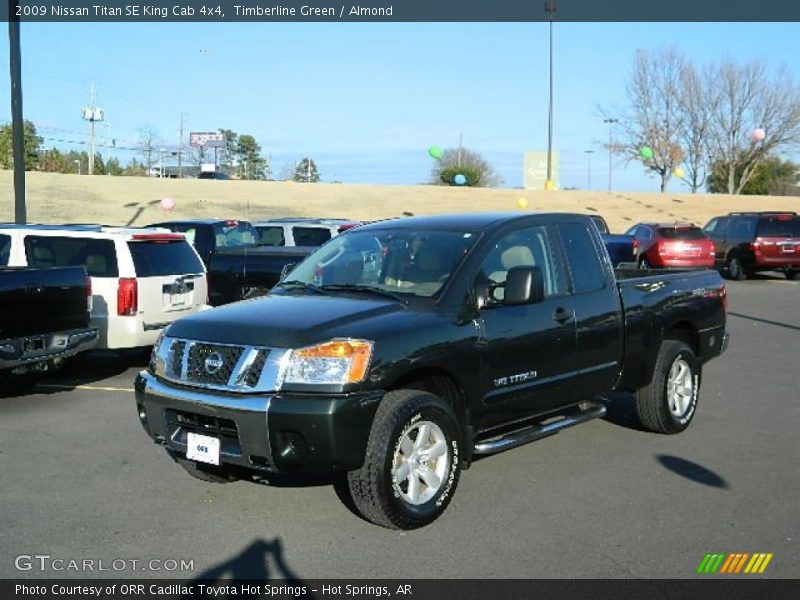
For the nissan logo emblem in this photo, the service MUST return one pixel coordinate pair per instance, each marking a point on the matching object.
(213, 363)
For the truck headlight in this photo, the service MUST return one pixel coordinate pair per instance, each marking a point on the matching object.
(336, 362)
(154, 353)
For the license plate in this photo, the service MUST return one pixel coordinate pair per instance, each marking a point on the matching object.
(202, 448)
(178, 299)
(788, 248)
(34, 344)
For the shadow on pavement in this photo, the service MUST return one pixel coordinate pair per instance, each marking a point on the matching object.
(621, 410)
(261, 562)
(692, 471)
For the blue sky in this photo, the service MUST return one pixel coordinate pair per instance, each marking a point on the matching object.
(366, 100)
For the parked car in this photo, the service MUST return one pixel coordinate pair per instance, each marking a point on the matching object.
(621, 248)
(746, 243)
(243, 273)
(301, 232)
(672, 245)
(217, 175)
(399, 351)
(142, 279)
(213, 235)
(44, 317)
(237, 267)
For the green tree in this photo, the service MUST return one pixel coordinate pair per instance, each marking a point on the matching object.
(52, 161)
(306, 171)
(771, 177)
(228, 155)
(469, 163)
(99, 165)
(32, 144)
(135, 168)
(248, 156)
(113, 167)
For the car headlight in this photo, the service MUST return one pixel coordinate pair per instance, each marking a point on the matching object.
(154, 353)
(336, 362)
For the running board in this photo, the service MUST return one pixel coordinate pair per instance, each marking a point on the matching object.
(537, 432)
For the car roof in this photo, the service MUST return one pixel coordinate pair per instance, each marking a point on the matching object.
(197, 222)
(304, 221)
(673, 225)
(462, 221)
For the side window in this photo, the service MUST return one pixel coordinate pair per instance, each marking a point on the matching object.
(742, 229)
(586, 268)
(711, 227)
(632, 231)
(646, 233)
(5, 250)
(310, 236)
(271, 236)
(98, 256)
(526, 248)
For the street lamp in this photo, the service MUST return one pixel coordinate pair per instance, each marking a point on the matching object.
(610, 122)
(549, 184)
(589, 168)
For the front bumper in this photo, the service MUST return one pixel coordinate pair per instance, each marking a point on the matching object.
(38, 351)
(273, 433)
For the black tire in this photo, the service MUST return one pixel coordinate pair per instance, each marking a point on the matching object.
(375, 494)
(792, 274)
(19, 385)
(208, 473)
(735, 269)
(652, 401)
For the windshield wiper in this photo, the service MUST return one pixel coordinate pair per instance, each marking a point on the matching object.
(347, 287)
(296, 284)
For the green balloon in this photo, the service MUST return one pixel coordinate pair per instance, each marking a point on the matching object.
(435, 152)
(646, 152)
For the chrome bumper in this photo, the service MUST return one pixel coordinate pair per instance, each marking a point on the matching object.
(32, 352)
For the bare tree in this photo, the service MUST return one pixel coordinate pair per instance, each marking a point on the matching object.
(750, 99)
(653, 117)
(698, 99)
(149, 143)
(469, 162)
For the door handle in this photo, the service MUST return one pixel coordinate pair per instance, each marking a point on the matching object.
(562, 316)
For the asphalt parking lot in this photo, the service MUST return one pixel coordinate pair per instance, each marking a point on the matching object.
(80, 479)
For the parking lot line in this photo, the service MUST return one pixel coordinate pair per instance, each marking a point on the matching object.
(98, 388)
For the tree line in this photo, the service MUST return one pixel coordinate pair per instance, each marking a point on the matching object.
(724, 126)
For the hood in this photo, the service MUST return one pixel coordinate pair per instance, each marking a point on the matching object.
(285, 321)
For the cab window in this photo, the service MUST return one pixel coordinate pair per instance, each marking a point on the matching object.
(588, 273)
(97, 256)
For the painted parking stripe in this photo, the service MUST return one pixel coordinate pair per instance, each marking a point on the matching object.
(97, 388)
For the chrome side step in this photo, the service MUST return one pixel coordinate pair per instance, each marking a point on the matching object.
(589, 411)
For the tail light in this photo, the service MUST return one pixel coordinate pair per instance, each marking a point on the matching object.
(127, 297)
(635, 244)
(88, 286)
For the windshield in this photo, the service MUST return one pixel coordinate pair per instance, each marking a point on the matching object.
(682, 233)
(233, 234)
(416, 263)
(779, 226)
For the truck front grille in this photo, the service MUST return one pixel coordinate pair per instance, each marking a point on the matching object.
(219, 366)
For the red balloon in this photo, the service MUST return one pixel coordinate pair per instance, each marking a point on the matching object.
(168, 204)
(758, 134)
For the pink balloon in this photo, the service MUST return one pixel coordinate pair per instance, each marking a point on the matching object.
(758, 134)
(167, 204)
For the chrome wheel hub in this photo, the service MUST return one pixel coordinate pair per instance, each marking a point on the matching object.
(680, 387)
(421, 462)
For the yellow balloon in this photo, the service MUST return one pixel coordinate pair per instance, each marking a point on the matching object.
(679, 172)
(522, 203)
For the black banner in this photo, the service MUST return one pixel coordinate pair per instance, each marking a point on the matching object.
(518, 589)
(401, 10)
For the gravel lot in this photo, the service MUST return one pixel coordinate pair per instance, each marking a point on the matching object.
(80, 479)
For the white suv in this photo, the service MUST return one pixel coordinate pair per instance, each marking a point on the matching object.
(301, 231)
(142, 279)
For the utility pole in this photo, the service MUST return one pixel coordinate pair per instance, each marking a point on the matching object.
(610, 122)
(180, 149)
(308, 169)
(17, 124)
(549, 184)
(589, 168)
(460, 146)
(108, 144)
(92, 114)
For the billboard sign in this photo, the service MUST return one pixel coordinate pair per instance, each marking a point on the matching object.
(535, 170)
(209, 139)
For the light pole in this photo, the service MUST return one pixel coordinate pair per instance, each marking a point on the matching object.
(549, 184)
(589, 168)
(161, 161)
(610, 122)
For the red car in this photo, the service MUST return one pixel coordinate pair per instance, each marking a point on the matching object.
(672, 245)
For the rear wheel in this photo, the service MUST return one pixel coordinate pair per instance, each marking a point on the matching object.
(792, 274)
(411, 468)
(735, 269)
(669, 402)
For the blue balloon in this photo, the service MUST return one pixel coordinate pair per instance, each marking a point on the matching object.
(460, 179)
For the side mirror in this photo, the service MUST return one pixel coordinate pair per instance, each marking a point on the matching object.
(286, 270)
(524, 285)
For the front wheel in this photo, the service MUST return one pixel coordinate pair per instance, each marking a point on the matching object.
(411, 468)
(669, 402)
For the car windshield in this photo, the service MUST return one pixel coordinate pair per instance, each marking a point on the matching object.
(233, 234)
(682, 233)
(397, 261)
